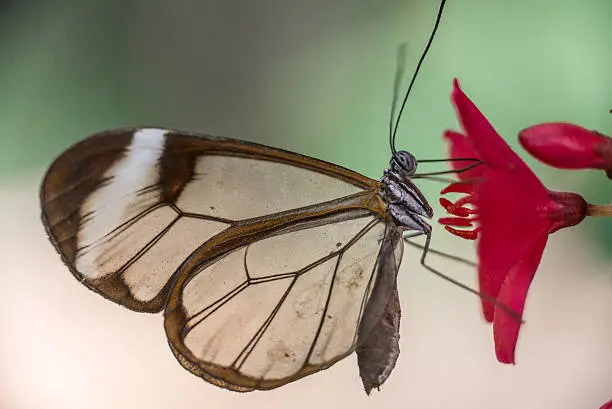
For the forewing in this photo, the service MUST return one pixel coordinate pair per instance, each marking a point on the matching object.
(272, 311)
(125, 208)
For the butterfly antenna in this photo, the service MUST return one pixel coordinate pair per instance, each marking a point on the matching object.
(416, 71)
(448, 172)
(400, 68)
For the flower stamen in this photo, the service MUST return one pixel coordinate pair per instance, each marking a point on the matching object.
(464, 234)
(456, 221)
(459, 187)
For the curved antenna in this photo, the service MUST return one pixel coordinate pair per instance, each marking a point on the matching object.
(416, 71)
(400, 68)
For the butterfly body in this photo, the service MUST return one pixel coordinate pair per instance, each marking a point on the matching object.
(404, 200)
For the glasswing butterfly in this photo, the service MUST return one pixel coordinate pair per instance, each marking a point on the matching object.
(269, 265)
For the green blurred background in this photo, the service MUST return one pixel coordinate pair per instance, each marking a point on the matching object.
(311, 76)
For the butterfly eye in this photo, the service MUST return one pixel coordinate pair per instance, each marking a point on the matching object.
(403, 162)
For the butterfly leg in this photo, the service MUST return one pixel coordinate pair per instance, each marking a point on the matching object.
(462, 260)
(427, 231)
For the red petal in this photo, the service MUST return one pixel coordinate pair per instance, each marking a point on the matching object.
(607, 405)
(512, 295)
(567, 146)
(491, 148)
(510, 217)
(460, 147)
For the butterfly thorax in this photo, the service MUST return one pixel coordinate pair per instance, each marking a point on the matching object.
(404, 200)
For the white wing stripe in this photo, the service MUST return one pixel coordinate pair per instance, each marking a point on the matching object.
(126, 194)
(147, 276)
(114, 253)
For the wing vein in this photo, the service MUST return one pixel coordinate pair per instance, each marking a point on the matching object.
(206, 217)
(123, 226)
(357, 236)
(189, 325)
(148, 246)
(250, 346)
(324, 312)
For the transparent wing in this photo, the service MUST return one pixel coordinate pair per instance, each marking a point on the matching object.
(125, 208)
(272, 311)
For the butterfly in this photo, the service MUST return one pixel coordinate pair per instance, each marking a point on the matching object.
(268, 265)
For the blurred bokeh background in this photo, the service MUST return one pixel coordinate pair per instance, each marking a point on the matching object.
(313, 77)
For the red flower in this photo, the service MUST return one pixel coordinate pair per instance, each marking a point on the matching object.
(607, 405)
(568, 146)
(509, 211)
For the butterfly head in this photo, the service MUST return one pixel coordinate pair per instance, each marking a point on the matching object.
(403, 163)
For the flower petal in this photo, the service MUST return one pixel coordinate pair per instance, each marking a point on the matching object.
(508, 208)
(607, 405)
(491, 148)
(512, 295)
(567, 146)
(460, 147)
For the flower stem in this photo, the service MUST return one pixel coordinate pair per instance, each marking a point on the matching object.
(599, 210)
